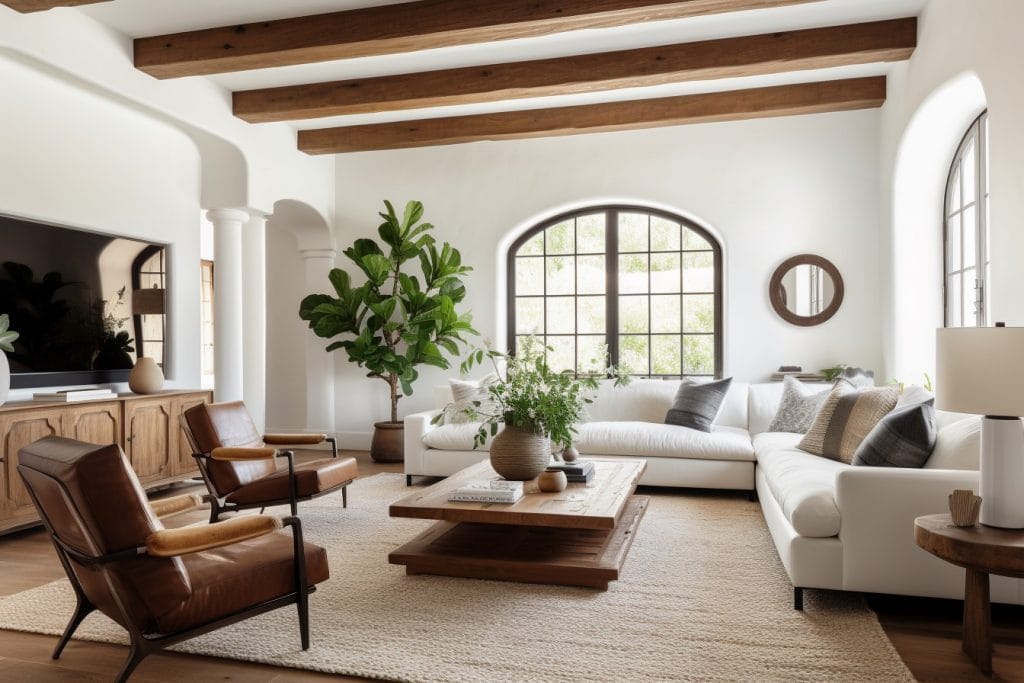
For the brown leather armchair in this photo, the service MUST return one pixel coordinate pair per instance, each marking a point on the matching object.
(162, 585)
(240, 467)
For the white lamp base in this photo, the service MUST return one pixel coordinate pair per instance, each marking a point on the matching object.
(1002, 473)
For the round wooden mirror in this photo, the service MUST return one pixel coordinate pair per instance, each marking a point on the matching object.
(806, 290)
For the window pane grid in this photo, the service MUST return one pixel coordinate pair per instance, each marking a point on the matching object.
(634, 290)
(965, 245)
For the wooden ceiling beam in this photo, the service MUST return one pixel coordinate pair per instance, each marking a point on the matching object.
(819, 48)
(41, 5)
(785, 100)
(404, 27)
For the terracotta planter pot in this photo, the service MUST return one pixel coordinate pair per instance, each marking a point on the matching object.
(519, 454)
(388, 443)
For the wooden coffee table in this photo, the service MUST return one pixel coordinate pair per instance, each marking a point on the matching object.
(578, 537)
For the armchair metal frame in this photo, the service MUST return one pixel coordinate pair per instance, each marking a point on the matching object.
(143, 645)
(220, 505)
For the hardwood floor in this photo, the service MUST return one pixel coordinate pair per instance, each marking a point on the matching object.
(926, 633)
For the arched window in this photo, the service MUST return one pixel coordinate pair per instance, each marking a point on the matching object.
(646, 283)
(966, 254)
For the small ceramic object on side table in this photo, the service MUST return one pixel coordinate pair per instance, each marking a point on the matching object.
(964, 507)
(552, 480)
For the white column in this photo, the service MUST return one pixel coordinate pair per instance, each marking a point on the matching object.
(254, 321)
(227, 302)
(319, 363)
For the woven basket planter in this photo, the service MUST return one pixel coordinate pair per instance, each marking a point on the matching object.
(520, 454)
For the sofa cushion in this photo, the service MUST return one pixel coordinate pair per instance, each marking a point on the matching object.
(797, 408)
(903, 438)
(802, 484)
(647, 400)
(455, 437)
(958, 445)
(696, 405)
(644, 439)
(845, 418)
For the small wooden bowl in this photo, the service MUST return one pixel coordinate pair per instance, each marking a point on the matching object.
(552, 480)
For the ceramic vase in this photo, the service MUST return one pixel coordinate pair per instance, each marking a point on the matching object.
(146, 377)
(5, 378)
(570, 454)
(519, 454)
(388, 443)
(552, 480)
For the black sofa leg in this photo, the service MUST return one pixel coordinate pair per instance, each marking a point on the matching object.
(752, 495)
(408, 480)
(344, 496)
(798, 598)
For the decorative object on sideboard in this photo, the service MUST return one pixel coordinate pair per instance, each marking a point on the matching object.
(146, 377)
(806, 290)
(796, 372)
(7, 338)
(395, 321)
(552, 480)
(964, 507)
(980, 370)
(538, 405)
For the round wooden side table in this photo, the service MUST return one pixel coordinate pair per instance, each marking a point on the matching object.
(981, 550)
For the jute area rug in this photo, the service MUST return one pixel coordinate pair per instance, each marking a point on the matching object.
(702, 597)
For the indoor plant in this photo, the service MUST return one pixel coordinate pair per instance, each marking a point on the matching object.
(395, 321)
(537, 405)
(7, 337)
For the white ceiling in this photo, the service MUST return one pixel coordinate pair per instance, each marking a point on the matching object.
(136, 18)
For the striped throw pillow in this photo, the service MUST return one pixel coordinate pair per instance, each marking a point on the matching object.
(845, 418)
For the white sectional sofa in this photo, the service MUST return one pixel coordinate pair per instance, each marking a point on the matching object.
(835, 526)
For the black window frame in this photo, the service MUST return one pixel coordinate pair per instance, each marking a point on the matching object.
(611, 293)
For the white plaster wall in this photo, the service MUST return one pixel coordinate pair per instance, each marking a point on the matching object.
(286, 339)
(769, 188)
(956, 38)
(78, 160)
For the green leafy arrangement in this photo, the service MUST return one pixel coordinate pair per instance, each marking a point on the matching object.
(529, 394)
(396, 320)
(7, 335)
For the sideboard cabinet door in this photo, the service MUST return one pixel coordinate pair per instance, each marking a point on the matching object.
(18, 430)
(151, 437)
(98, 423)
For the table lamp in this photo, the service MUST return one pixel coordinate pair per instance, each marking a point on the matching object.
(980, 370)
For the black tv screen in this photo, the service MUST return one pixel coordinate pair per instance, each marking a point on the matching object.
(85, 305)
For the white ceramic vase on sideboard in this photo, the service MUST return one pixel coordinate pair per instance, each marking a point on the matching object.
(146, 377)
(5, 378)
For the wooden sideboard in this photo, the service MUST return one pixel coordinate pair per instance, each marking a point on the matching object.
(145, 426)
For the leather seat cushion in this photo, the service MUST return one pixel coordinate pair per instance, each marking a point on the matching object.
(311, 478)
(230, 579)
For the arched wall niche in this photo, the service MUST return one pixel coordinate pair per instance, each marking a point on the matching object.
(919, 181)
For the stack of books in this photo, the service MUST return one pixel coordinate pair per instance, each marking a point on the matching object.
(489, 491)
(72, 395)
(579, 472)
(802, 376)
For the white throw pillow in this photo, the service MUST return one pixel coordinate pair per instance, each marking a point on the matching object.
(464, 394)
(912, 395)
(958, 446)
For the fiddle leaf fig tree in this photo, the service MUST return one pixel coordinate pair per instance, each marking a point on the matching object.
(395, 320)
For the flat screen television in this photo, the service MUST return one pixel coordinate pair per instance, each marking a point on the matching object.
(85, 305)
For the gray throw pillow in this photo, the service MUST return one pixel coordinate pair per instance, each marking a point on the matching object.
(798, 407)
(696, 405)
(903, 438)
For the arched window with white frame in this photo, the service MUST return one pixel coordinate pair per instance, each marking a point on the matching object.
(968, 267)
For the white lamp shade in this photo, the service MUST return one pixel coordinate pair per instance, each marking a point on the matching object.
(980, 370)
